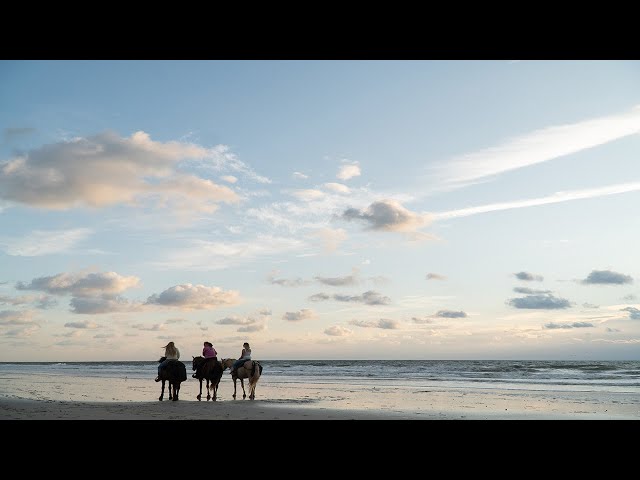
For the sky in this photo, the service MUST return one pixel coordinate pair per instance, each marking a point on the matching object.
(320, 209)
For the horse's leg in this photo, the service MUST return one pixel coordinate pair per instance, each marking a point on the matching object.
(208, 393)
(171, 390)
(176, 389)
(244, 394)
(235, 385)
(162, 392)
(200, 394)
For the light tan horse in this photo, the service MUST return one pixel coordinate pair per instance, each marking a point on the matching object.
(250, 370)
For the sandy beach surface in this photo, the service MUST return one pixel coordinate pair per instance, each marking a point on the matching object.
(81, 398)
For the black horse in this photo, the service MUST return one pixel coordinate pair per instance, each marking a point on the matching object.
(209, 370)
(174, 372)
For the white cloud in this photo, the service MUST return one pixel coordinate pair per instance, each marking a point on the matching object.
(44, 242)
(299, 175)
(331, 238)
(557, 197)
(348, 171)
(383, 323)
(189, 297)
(338, 331)
(538, 146)
(337, 187)
(106, 169)
(388, 215)
(229, 178)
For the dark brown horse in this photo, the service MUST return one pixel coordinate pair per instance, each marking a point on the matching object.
(249, 369)
(175, 373)
(209, 370)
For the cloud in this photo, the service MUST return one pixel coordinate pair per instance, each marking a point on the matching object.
(39, 301)
(299, 175)
(81, 284)
(557, 197)
(612, 330)
(308, 195)
(629, 298)
(606, 277)
(536, 147)
(176, 320)
(236, 320)
(369, 298)
(387, 215)
(338, 331)
(530, 291)
(287, 282)
(590, 305)
(331, 238)
(337, 187)
(529, 277)
(339, 281)
(229, 178)
(450, 314)
(106, 169)
(220, 157)
(383, 323)
(253, 328)
(83, 324)
(634, 313)
(422, 320)
(14, 132)
(44, 242)
(103, 304)
(304, 314)
(157, 327)
(345, 172)
(204, 255)
(542, 302)
(435, 276)
(16, 317)
(553, 326)
(190, 297)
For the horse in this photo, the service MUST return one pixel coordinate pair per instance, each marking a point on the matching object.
(249, 369)
(174, 372)
(211, 371)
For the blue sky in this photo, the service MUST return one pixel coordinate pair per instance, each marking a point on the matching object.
(320, 209)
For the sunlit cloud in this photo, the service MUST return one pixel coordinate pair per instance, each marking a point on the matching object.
(331, 238)
(44, 242)
(538, 146)
(82, 283)
(42, 302)
(337, 187)
(106, 169)
(348, 171)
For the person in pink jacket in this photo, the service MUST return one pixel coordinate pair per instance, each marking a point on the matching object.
(207, 352)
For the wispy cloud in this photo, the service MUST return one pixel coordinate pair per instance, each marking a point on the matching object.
(529, 277)
(287, 282)
(368, 298)
(557, 326)
(337, 187)
(530, 291)
(606, 277)
(44, 242)
(339, 281)
(532, 202)
(331, 238)
(383, 323)
(536, 147)
(83, 324)
(435, 276)
(634, 313)
(299, 175)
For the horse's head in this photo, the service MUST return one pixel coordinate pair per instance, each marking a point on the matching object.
(226, 363)
(196, 362)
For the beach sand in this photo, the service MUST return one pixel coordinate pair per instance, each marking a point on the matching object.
(56, 398)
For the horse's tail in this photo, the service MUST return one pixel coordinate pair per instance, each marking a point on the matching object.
(256, 366)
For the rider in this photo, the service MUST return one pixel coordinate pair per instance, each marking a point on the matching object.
(244, 356)
(171, 352)
(208, 352)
